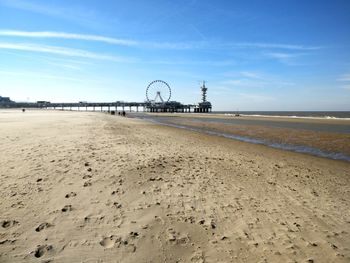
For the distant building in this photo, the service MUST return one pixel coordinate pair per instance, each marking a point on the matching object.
(5, 100)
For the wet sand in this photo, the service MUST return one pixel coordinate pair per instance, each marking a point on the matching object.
(91, 187)
(313, 133)
(335, 121)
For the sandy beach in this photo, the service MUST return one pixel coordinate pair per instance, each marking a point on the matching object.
(92, 187)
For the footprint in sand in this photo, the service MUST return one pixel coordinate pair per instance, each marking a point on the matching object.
(8, 241)
(43, 226)
(198, 257)
(117, 205)
(71, 194)
(108, 242)
(66, 208)
(8, 223)
(86, 184)
(178, 238)
(41, 250)
(87, 176)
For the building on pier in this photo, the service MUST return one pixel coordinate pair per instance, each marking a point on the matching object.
(6, 102)
(171, 106)
(162, 92)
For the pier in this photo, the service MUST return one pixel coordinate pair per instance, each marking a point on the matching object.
(106, 106)
(158, 94)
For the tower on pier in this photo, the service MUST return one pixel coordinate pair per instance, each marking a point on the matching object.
(204, 92)
(204, 106)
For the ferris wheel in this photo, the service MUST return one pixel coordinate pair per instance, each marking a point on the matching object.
(158, 92)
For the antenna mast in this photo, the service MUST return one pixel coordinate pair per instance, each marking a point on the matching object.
(204, 92)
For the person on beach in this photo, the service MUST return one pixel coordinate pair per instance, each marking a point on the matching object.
(123, 113)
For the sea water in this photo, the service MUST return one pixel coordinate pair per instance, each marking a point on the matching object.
(291, 114)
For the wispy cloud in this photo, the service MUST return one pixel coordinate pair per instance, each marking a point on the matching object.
(62, 51)
(43, 74)
(36, 75)
(245, 83)
(256, 97)
(65, 62)
(105, 39)
(281, 56)
(249, 74)
(30, 6)
(250, 96)
(254, 80)
(214, 63)
(288, 58)
(67, 66)
(344, 77)
(204, 44)
(74, 13)
(70, 52)
(198, 32)
(274, 46)
(176, 45)
(63, 35)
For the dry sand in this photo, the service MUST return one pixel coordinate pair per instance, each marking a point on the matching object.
(90, 187)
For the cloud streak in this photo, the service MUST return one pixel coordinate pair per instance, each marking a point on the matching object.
(78, 14)
(215, 63)
(251, 75)
(61, 51)
(256, 97)
(245, 83)
(254, 80)
(275, 46)
(152, 44)
(36, 75)
(344, 77)
(70, 52)
(63, 35)
(287, 58)
(345, 80)
(56, 50)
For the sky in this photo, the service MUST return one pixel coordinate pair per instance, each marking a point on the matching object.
(254, 55)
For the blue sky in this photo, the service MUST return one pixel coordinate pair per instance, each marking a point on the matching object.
(254, 55)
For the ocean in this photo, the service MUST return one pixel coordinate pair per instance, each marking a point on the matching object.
(292, 114)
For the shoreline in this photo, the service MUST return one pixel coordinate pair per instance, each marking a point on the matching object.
(294, 117)
(284, 147)
(283, 134)
(335, 121)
